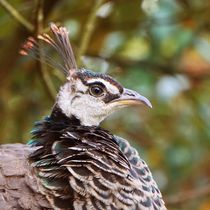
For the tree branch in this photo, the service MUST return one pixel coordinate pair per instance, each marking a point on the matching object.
(16, 15)
(44, 74)
(88, 30)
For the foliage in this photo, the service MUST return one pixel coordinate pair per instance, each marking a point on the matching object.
(163, 53)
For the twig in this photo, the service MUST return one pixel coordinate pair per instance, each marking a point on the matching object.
(88, 30)
(44, 75)
(16, 15)
(187, 196)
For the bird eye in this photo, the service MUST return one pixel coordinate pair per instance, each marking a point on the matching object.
(96, 90)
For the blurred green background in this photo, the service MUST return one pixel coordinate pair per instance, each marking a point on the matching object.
(162, 51)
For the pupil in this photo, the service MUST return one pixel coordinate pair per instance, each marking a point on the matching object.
(97, 90)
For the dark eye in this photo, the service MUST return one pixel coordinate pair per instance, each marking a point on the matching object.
(96, 90)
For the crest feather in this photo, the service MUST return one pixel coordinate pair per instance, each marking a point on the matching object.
(60, 42)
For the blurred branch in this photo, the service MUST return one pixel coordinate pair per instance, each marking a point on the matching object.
(44, 75)
(165, 68)
(168, 67)
(89, 27)
(16, 15)
(187, 196)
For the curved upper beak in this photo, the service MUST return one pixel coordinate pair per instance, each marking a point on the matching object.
(131, 97)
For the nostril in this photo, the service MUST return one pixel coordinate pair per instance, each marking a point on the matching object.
(130, 93)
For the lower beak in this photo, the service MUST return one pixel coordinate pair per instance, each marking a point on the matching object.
(131, 97)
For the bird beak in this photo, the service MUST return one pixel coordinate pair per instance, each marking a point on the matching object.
(131, 97)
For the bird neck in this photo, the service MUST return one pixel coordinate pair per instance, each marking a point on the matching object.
(53, 128)
(47, 130)
(57, 116)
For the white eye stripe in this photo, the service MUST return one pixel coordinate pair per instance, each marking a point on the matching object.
(110, 87)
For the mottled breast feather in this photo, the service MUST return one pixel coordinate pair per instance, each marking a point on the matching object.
(80, 167)
(18, 184)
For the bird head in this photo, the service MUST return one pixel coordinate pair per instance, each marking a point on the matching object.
(91, 97)
(88, 96)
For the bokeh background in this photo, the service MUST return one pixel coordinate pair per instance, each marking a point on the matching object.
(159, 48)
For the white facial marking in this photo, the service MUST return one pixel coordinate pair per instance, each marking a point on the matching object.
(64, 99)
(80, 86)
(88, 109)
(111, 88)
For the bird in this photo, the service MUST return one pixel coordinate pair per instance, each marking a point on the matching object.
(71, 163)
